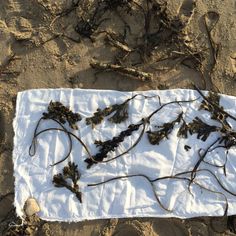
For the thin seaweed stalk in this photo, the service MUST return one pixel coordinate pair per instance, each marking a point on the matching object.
(60, 114)
(70, 143)
(176, 177)
(131, 176)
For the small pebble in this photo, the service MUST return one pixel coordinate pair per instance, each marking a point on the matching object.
(31, 207)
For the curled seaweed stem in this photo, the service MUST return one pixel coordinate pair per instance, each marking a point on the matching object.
(202, 156)
(212, 174)
(168, 103)
(69, 134)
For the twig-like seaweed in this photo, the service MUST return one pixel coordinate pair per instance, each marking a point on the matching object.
(110, 145)
(214, 105)
(214, 47)
(155, 137)
(128, 71)
(69, 172)
(135, 175)
(120, 112)
(216, 114)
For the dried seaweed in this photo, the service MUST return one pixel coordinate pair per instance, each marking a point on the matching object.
(216, 106)
(69, 172)
(120, 115)
(112, 144)
(131, 176)
(203, 130)
(155, 137)
(183, 130)
(120, 112)
(57, 111)
(214, 47)
(60, 114)
(128, 71)
(117, 42)
(187, 147)
(32, 148)
(216, 113)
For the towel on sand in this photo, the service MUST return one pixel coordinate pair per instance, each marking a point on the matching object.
(127, 197)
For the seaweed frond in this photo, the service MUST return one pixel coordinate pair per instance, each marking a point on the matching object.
(69, 172)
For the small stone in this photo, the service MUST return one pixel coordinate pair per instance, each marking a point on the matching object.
(31, 207)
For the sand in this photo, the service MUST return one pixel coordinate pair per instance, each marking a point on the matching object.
(32, 55)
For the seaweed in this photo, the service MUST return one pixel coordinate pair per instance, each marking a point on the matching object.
(173, 177)
(32, 148)
(215, 110)
(60, 114)
(105, 147)
(57, 111)
(183, 130)
(69, 172)
(187, 147)
(120, 115)
(120, 112)
(128, 71)
(203, 130)
(155, 137)
(110, 145)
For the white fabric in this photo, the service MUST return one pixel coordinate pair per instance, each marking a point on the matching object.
(131, 197)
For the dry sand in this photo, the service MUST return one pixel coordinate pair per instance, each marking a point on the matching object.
(24, 25)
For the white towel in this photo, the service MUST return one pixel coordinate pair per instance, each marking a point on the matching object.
(131, 197)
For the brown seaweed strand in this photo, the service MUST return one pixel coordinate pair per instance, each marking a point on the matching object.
(129, 149)
(168, 103)
(69, 133)
(213, 104)
(193, 173)
(34, 140)
(33, 144)
(166, 177)
(70, 142)
(196, 183)
(101, 155)
(135, 175)
(99, 115)
(213, 46)
(212, 174)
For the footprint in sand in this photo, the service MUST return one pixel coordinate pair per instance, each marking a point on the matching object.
(134, 228)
